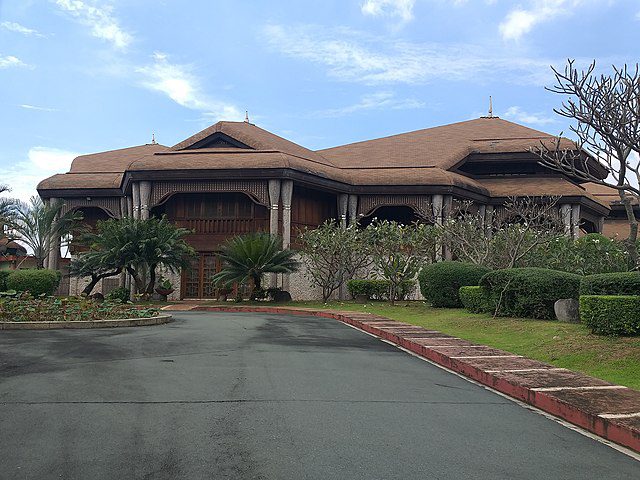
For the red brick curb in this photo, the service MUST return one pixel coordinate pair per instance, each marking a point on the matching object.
(608, 410)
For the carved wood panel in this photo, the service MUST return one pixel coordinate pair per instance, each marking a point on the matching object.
(160, 191)
(420, 203)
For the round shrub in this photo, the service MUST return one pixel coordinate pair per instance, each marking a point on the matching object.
(529, 292)
(475, 300)
(36, 282)
(441, 282)
(121, 294)
(621, 283)
(611, 314)
(3, 280)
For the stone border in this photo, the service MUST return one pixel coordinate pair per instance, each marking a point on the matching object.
(610, 411)
(125, 322)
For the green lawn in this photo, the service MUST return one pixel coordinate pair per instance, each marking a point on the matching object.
(564, 345)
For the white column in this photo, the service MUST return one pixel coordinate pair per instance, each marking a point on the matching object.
(54, 251)
(447, 206)
(287, 195)
(353, 209)
(145, 199)
(437, 206)
(274, 204)
(135, 193)
(575, 221)
(565, 215)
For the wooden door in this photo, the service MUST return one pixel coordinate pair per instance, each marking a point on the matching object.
(197, 281)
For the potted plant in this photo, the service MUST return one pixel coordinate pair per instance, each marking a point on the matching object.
(164, 288)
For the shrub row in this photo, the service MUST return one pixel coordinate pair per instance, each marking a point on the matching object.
(529, 292)
(36, 282)
(440, 282)
(376, 289)
(475, 300)
(622, 283)
(611, 314)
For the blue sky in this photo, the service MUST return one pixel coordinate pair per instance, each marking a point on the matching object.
(80, 76)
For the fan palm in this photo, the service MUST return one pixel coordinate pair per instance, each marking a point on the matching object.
(39, 225)
(251, 256)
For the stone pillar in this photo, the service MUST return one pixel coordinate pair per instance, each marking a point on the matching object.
(343, 205)
(488, 220)
(437, 202)
(274, 204)
(54, 250)
(287, 195)
(447, 206)
(575, 221)
(124, 208)
(352, 208)
(135, 193)
(565, 215)
(145, 199)
(482, 215)
(600, 224)
(129, 206)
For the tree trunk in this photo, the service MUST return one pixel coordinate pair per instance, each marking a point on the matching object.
(137, 280)
(96, 278)
(152, 279)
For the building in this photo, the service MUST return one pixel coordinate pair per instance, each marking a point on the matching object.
(235, 177)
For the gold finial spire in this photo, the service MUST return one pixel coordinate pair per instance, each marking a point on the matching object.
(490, 107)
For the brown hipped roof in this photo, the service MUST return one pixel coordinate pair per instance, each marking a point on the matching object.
(607, 195)
(420, 158)
(535, 187)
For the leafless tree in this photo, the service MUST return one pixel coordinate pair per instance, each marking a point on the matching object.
(606, 109)
(505, 238)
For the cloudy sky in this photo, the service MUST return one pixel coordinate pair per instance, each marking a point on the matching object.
(80, 76)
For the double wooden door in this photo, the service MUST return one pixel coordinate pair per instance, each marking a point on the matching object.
(197, 281)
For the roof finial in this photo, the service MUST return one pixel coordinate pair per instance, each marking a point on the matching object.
(153, 138)
(246, 116)
(490, 107)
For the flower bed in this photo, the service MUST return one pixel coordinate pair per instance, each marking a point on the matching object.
(26, 308)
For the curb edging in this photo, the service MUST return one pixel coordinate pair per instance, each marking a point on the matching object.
(577, 400)
(124, 322)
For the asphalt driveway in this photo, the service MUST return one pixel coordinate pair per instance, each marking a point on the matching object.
(261, 396)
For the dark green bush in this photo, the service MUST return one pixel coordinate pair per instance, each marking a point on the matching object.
(120, 294)
(611, 314)
(621, 283)
(529, 292)
(379, 289)
(36, 282)
(3, 279)
(475, 299)
(441, 282)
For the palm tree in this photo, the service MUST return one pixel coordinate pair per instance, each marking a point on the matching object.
(135, 245)
(249, 257)
(6, 206)
(39, 225)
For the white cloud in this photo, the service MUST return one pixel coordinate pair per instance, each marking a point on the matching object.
(41, 162)
(349, 55)
(180, 84)
(518, 115)
(100, 19)
(10, 61)
(402, 9)
(373, 101)
(520, 21)
(26, 106)
(16, 27)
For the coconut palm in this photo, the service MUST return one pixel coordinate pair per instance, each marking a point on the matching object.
(39, 225)
(6, 205)
(250, 257)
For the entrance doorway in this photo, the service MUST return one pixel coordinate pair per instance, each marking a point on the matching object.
(197, 281)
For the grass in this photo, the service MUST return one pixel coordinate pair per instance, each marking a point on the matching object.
(572, 346)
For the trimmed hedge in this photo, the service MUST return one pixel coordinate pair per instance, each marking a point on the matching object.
(620, 283)
(440, 282)
(378, 289)
(529, 292)
(611, 314)
(4, 274)
(36, 282)
(475, 300)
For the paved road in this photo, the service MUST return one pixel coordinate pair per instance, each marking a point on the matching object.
(256, 396)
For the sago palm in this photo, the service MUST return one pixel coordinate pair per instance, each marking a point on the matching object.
(251, 256)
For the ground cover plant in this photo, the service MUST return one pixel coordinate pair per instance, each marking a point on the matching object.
(27, 308)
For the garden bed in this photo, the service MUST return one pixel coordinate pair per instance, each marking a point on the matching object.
(45, 312)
